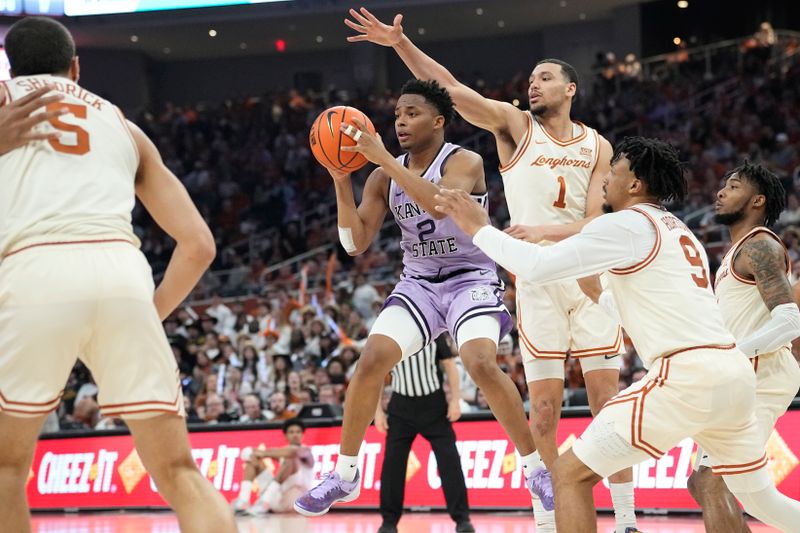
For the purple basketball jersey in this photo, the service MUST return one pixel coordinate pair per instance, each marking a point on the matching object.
(434, 247)
(447, 280)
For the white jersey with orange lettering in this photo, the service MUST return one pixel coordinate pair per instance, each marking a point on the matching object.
(658, 274)
(659, 279)
(73, 282)
(74, 188)
(546, 181)
(744, 312)
(648, 304)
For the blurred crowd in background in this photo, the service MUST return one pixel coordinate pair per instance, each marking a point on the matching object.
(279, 321)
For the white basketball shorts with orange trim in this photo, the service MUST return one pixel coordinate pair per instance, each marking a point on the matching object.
(93, 301)
(707, 394)
(557, 318)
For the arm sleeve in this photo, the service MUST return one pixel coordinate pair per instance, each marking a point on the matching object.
(607, 302)
(783, 327)
(615, 240)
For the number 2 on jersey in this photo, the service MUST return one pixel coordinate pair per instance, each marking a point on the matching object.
(696, 260)
(81, 146)
(562, 194)
(426, 227)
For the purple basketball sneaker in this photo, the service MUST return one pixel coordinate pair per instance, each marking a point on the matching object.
(331, 489)
(541, 485)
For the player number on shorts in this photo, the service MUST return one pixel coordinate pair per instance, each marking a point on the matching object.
(426, 227)
(562, 194)
(696, 260)
(81, 146)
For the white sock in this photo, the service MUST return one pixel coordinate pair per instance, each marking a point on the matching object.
(545, 520)
(531, 462)
(346, 467)
(624, 508)
(244, 491)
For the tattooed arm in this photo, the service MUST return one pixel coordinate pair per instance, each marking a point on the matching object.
(764, 260)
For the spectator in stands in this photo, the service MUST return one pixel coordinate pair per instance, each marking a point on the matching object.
(278, 408)
(480, 401)
(252, 410)
(294, 386)
(328, 395)
(364, 295)
(85, 415)
(215, 409)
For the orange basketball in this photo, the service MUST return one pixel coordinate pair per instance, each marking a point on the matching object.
(325, 138)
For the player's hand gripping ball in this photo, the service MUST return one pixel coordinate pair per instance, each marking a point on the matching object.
(326, 139)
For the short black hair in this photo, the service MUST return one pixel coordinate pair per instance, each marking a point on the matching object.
(39, 45)
(293, 422)
(434, 94)
(766, 183)
(568, 70)
(657, 164)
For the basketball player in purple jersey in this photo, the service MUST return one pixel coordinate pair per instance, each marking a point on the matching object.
(447, 284)
(552, 169)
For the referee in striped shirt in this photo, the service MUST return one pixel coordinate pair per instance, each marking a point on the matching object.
(418, 407)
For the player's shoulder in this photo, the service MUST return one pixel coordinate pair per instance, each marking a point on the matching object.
(377, 176)
(631, 220)
(465, 155)
(761, 245)
(378, 180)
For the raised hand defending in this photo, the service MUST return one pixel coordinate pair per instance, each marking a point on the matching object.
(373, 30)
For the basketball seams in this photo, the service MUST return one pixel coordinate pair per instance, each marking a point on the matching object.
(321, 147)
(354, 155)
(325, 142)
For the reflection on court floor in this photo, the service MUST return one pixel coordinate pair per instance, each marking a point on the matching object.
(335, 522)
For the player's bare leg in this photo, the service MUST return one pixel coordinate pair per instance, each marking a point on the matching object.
(252, 468)
(721, 511)
(573, 482)
(379, 356)
(546, 396)
(381, 353)
(480, 361)
(601, 386)
(18, 441)
(163, 445)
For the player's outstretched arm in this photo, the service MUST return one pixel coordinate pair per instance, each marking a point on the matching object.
(287, 452)
(764, 259)
(492, 115)
(167, 201)
(613, 241)
(359, 225)
(594, 205)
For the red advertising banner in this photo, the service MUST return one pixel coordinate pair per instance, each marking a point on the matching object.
(106, 472)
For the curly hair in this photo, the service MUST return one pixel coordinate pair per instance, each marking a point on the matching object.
(766, 183)
(657, 164)
(434, 94)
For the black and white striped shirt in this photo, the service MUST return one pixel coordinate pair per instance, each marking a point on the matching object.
(419, 375)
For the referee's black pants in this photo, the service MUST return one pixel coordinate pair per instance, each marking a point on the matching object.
(426, 416)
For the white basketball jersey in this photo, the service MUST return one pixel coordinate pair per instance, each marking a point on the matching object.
(666, 302)
(546, 181)
(77, 187)
(742, 307)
